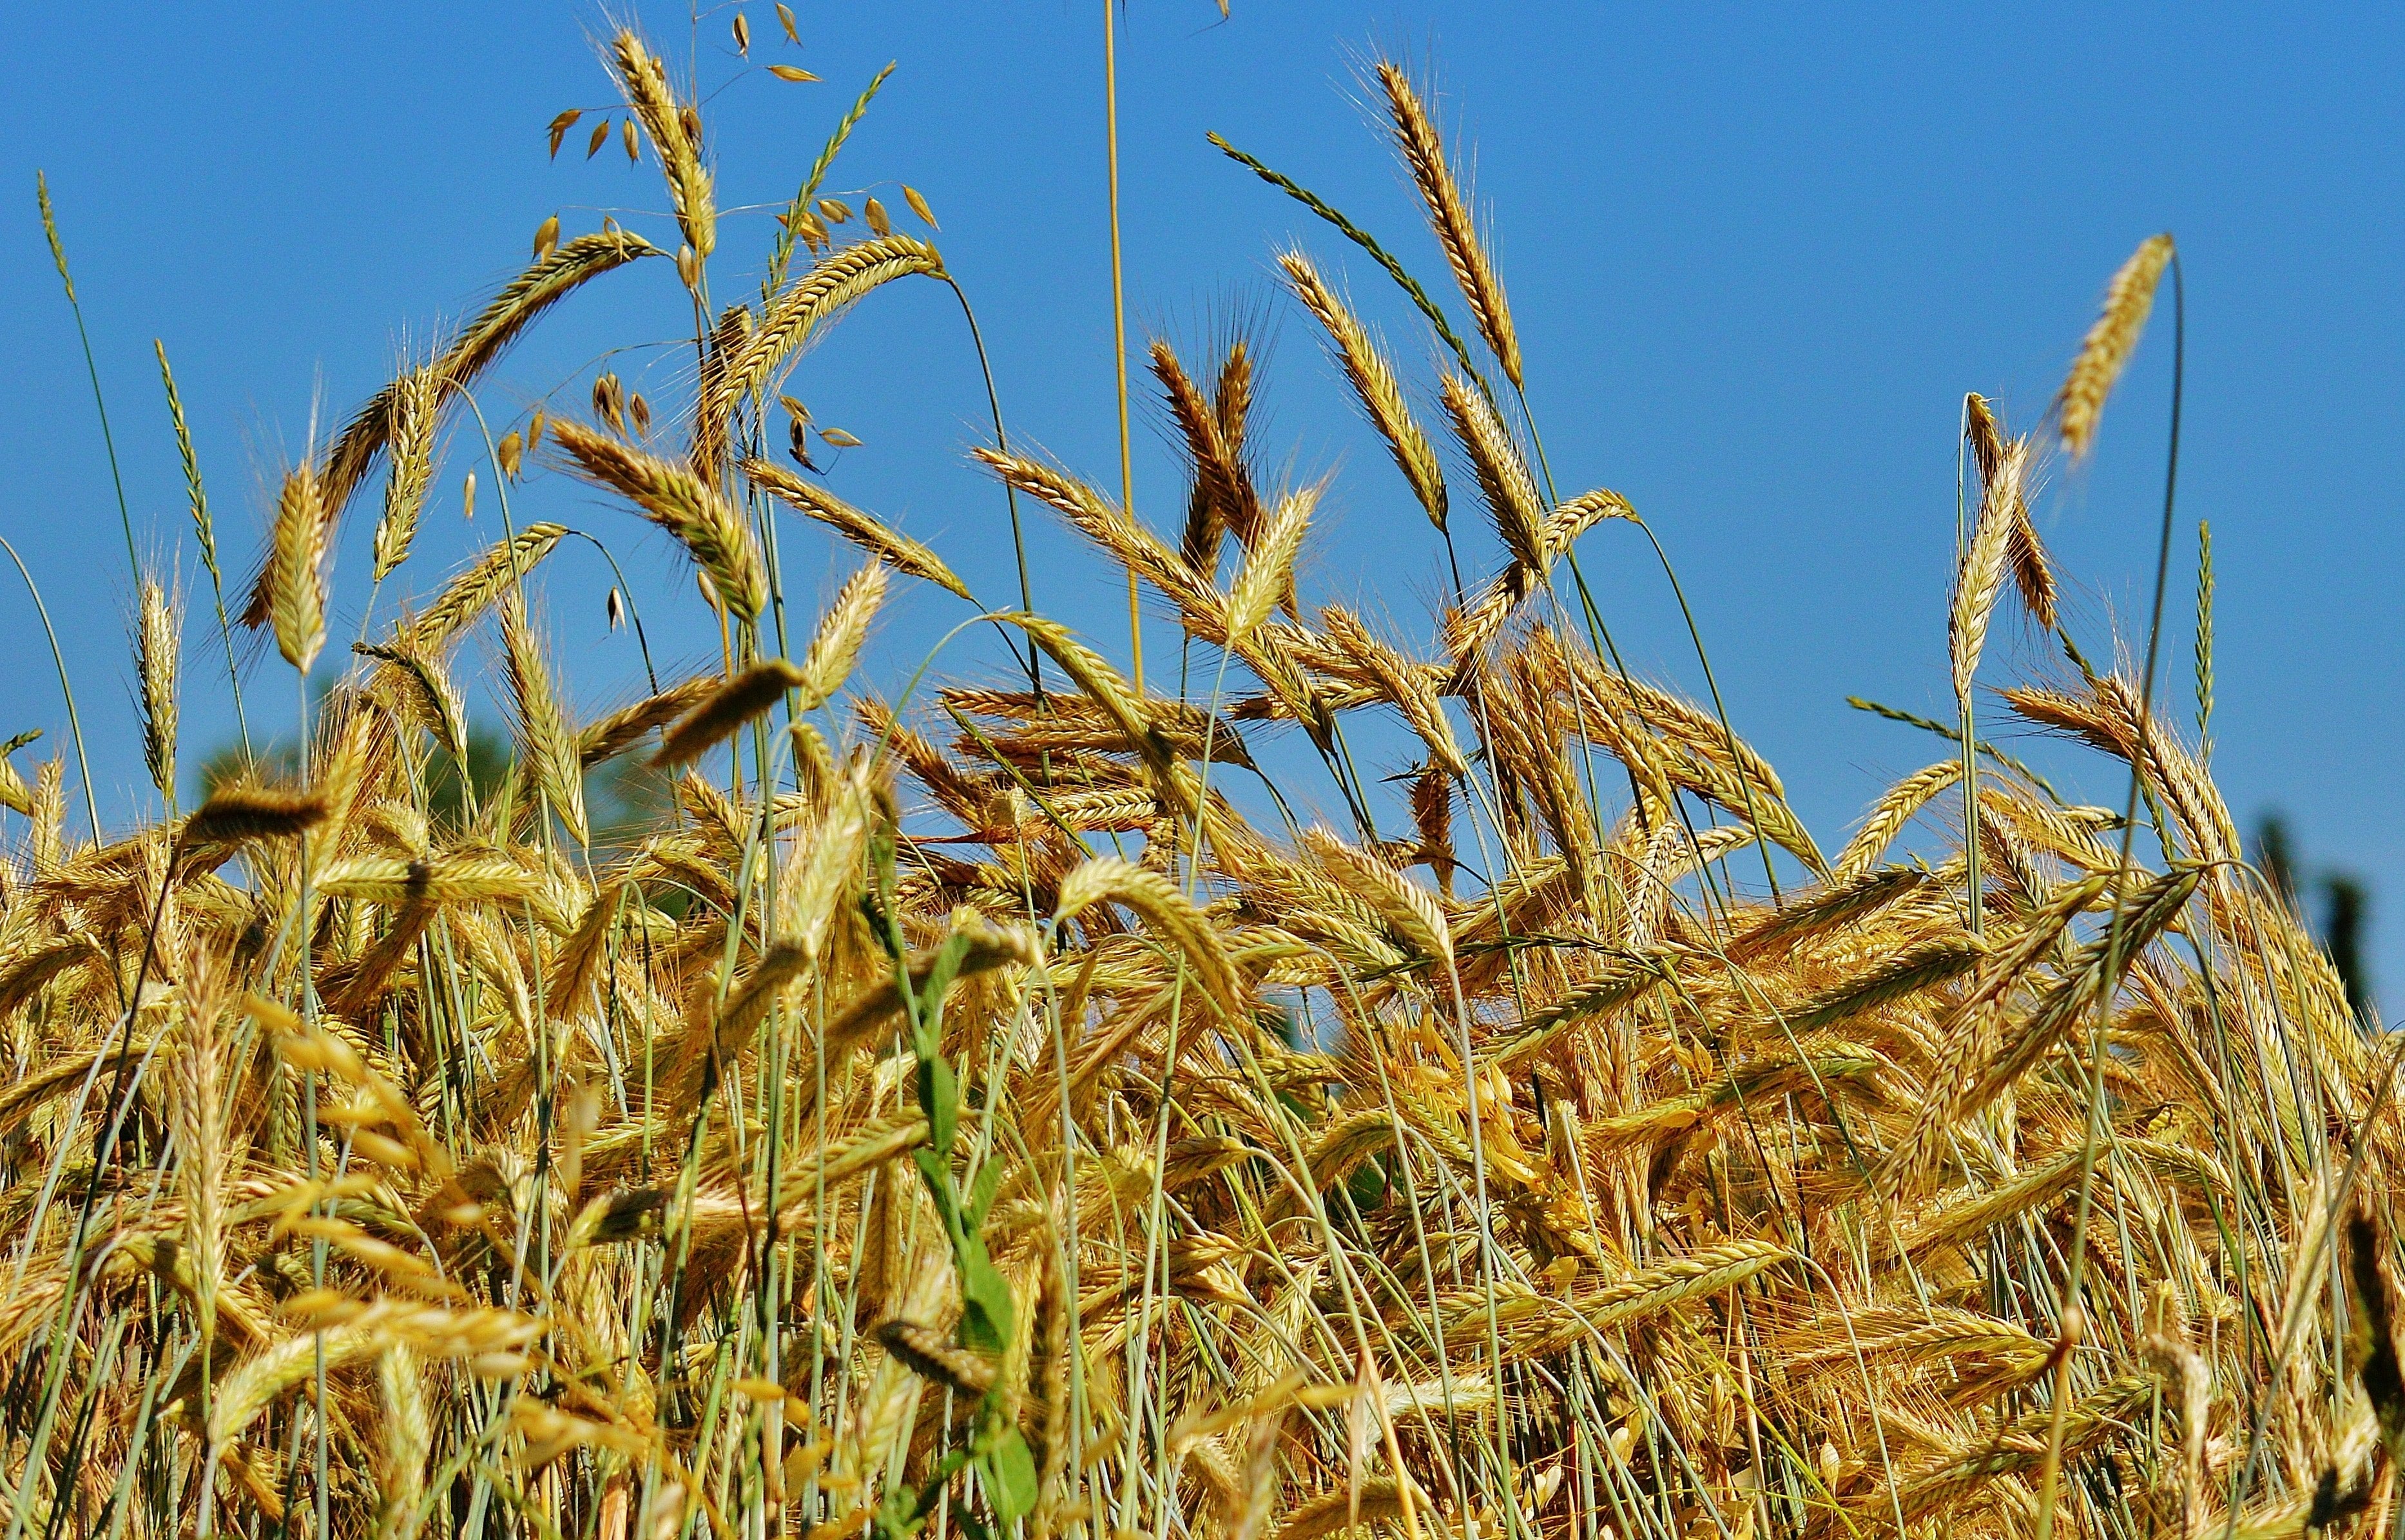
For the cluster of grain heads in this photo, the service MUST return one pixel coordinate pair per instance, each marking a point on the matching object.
(965, 1112)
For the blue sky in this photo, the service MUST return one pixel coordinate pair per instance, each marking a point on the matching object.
(1756, 256)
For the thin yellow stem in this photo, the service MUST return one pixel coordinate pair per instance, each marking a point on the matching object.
(1118, 318)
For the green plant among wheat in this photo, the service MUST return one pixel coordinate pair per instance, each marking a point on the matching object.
(950, 1111)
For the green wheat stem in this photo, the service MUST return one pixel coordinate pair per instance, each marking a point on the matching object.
(59, 255)
(205, 529)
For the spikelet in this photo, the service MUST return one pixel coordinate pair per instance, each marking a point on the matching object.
(296, 573)
(158, 636)
(841, 630)
(674, 133)
(544, 738)
(1423, 153)
(417, 405)
(500, 570)
(1510, 491)
(1373, 383)
(679, 502)
(2079, 406)
(715, 716)
(888, 545)
(1982, 573)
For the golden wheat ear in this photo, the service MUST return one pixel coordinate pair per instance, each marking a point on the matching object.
(2079, 406)
(1449, 215)
(240, 815)
(1373, 383)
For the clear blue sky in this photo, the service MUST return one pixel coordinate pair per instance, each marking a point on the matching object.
(1756, 256)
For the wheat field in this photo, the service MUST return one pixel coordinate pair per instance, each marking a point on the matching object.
(988, 1112)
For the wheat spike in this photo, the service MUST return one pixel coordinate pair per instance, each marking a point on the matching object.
(2079, 406)
(1424, 156)
(841, 630)
(1268, 572)
(500, 570)
(203, 526)
(408, 1442)
(888, 545)
(644, 80)
(814, 298)
(1984, 564)
(296, 574)
(681, 503)
(1373, 383)
(544, 738)
(715, 716)
(416, 406)
(1510, 491)
(158, 642)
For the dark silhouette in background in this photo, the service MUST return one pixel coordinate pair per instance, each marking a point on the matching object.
(2346, 904)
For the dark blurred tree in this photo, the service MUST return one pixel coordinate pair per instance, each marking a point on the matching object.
(2345, 900)
(2346, 904)
(2274, 858)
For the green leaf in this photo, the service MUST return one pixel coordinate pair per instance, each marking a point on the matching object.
(969, 1524)
(939, 1097)
(940, 974)
(900, 1515)
(1010, 1477)
(938, 1177)
(981, 1196)
(985, 1299)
